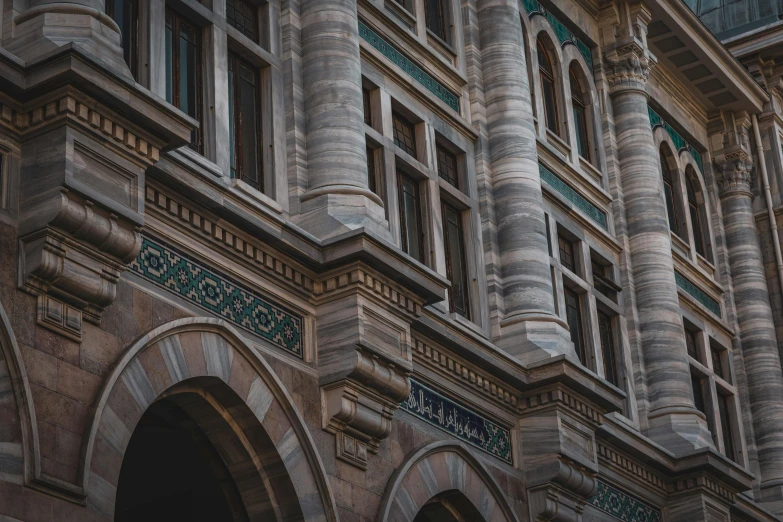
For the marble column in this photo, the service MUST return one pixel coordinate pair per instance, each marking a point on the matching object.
(673, 421)
(756, 325)
(49, 24)
(530, 328)
(338, 197)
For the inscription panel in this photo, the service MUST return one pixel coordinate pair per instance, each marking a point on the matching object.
(458, 420)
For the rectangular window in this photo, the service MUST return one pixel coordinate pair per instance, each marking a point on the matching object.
(690, 343)
(567, 258)
(410, 218)
(607, 347)
(447, 166)
(456, 271)
(717, 363)
(601, 283)
(183, 75)
(548, 235)
(126, 14)
(436, 15)
(724, 407)
(698, 393)
(367, 113)
(372, 181)
(405, 4)
(574, 317)
(245, 125)
(243, 16)
(404, 134)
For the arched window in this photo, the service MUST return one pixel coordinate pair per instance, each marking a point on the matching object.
(668, 191)
(700, 234)
(580, 114)
(548, 92)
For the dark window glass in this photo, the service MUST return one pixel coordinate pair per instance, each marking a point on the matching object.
(367, 113)
(668, 192)
(2, 182)
(183, 76)
(690, 343)
(547, 87)
(372, 183)
(126, 14)
(406, 4)
(245, 125)
(566, 253)
(548, 234)
(607, 347)
(693, 208)
(447, 166)
(436, 15)
(403, 134)
(717, 363)
(724, 402)
(601, 282)
(410, 218)
(580, 116)
(574, 316)
(453, 240)
(698, 393)
(243, 16)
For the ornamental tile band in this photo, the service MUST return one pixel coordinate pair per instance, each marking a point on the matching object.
(679, 141)
(564, 35)
(694, 291)
(621, 506)
(406, 64)
(459, 421)
(573, 196)
(173, 271)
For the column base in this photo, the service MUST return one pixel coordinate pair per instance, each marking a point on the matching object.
(535, 337)
(771, 496)
(42, 29)
(329, 215)
(680, 430)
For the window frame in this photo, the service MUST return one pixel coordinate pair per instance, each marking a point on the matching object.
(178, 20)
(444, 14)
(238, 129)
(582, 140)
(404, 232)
(547, 73)
(446, 206)
(256, 20)
(133, 42)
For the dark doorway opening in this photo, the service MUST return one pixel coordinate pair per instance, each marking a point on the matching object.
(449, 506)
(171, 472)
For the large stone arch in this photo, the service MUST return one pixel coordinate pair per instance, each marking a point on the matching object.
(19, 456)
(230, 386)
(440, 467)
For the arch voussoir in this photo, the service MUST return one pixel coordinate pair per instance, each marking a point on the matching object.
(206, 358)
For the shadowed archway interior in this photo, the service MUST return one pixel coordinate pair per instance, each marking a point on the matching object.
(449, 506)
(171, 471)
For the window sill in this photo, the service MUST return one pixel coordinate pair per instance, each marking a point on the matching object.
(705, 265)
(256, 195)
(558, 143)
(443, 47)
(185, 154)
(590, 169)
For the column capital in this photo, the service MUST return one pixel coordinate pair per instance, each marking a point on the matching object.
(733, 174)
(628, 67)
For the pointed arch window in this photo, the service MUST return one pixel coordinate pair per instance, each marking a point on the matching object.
(580, 114)
(548, 92)
(668, 191)
(695, 211)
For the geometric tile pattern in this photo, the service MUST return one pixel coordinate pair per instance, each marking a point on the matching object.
(217, 293)
(679, 141)
(697, 293)
(406, 64)
(458, 420)
(623, 507)
(564, 35)
(572, 195)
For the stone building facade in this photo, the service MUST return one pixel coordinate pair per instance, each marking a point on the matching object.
(391, 260)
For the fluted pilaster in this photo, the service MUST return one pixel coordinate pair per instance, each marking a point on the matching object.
(674, 422)
(530, 328)
(338, 196)
(756, 325)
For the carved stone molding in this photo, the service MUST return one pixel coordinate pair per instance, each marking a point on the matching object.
(628, 68)
(359, 409)
(733, 174)
(563, 497)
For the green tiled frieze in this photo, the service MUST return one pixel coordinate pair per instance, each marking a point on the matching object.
(406, 64)
(622, 506)
(679, 141)
(573, 196)
(216, 293)
(458, 420)
(697, 293)
(564, 35)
